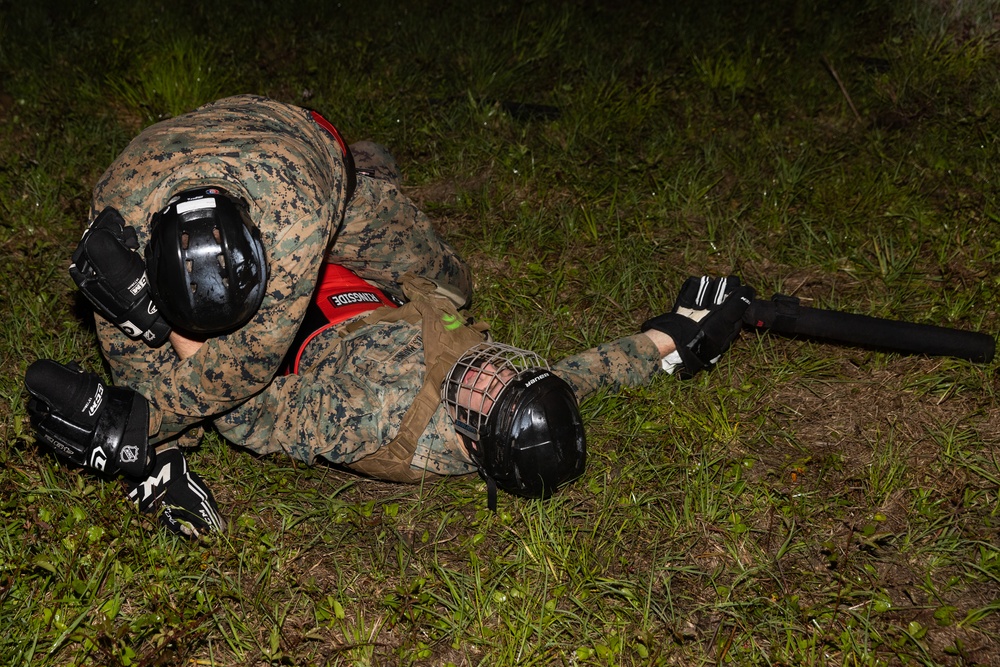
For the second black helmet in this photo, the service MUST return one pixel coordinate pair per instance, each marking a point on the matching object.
(206, 263)
(519, 422)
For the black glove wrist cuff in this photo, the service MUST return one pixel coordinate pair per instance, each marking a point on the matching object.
(691, 363)
(90, 423)
(681, 329)
(112, 275)
(121, 434)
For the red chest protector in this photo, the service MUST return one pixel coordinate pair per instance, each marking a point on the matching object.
(339, 296)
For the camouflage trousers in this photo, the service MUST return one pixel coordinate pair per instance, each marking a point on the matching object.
(385, 235)
(352, 391)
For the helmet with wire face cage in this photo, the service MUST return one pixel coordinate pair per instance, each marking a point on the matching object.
(519, 422)
(206, 262)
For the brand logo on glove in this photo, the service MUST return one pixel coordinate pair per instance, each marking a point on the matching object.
(138, 285)
(153, 483)
(130, 329)
(129, 454)
(95, 402)
(62, 447)
(98, 460)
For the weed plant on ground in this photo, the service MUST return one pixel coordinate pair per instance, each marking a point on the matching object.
(803, 504)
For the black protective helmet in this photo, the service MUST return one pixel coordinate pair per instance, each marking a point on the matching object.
(206, 264)
(519, 422)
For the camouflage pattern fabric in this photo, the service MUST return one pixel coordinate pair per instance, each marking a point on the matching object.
(383, 223)
(377, 161)
(291, 171)
(626, 362)
(385, 235)
(352, 391)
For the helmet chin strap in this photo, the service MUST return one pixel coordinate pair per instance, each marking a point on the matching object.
(491, 494)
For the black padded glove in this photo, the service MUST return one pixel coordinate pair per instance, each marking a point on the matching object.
(112, 275)
(185, 504)
(704, 322)
(90, 423)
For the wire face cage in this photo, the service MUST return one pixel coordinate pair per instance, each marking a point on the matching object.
(478, 378)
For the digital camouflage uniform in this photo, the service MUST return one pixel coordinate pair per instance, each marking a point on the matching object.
(292, 173)
(353, 389)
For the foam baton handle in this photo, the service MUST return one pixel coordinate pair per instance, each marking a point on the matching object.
(784, 315)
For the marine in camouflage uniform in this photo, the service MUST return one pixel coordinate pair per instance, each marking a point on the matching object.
(291, 171)
(353, 387)
(349, 400)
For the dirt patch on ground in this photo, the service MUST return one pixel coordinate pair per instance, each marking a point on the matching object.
(884, 456)
(6, 104)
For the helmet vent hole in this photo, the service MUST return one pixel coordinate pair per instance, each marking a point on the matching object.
(222, 261)
(189, 266)
(194, 288)
(185, 240)
(217, 234)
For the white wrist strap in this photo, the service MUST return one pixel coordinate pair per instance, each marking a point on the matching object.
(670, 362)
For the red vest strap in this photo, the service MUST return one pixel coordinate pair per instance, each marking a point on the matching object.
(328, 126)
(340, 296)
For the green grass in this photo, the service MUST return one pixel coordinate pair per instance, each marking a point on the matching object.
(804, 504)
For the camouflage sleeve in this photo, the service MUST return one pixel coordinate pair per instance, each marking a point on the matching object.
(352, 393)
(626, 362)
(341, 419)
(347, 400)
(305, 419)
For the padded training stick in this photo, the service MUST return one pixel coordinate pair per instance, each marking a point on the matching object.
(783, 315)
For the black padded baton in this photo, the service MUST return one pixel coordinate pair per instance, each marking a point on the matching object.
(783, 315)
